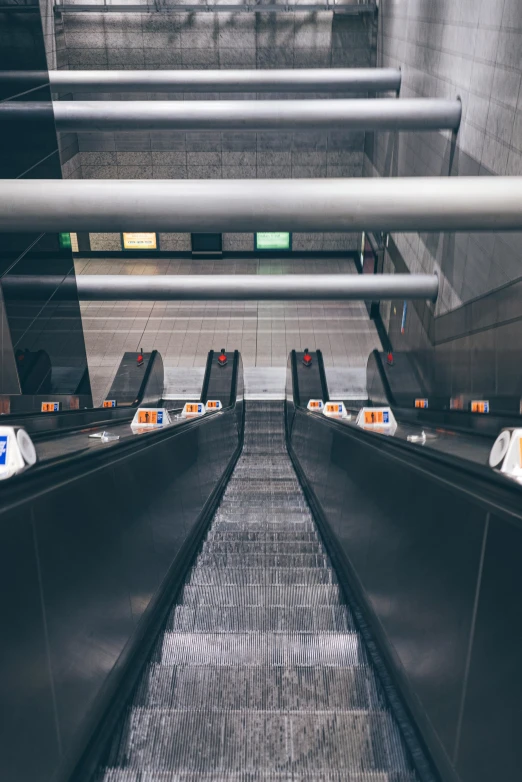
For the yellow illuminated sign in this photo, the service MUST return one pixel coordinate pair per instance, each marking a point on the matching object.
(134, 241)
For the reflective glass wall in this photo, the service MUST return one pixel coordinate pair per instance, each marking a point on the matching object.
(42, 343)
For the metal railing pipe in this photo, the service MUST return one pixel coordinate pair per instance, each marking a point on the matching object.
(207, 205)
(368, 115)
(277, 80)
(116, 287)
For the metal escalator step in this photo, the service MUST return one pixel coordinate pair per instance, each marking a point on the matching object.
(264, 536)
(262, 547)
(262, 560)
(265, 515)
(260, 619)
(286, 649)
(262, 524)
(132, 775)
(229, 595)
(258, 689)
(204, 741)
(270, 576)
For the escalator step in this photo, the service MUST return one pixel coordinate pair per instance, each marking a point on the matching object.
(131, 775)
(301, 595)
(269, 576)
(243, 740)
(286, 649)
(276, 689)
(241, 546)
(264, 536)
(260, 619)
(207, 559)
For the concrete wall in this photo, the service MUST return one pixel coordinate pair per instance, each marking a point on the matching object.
(471, 48)
(218, 40)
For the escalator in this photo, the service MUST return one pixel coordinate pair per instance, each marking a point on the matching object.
(260, 672)
(262, 594)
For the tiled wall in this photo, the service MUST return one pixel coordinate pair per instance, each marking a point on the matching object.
(470, 48)
(218, 40)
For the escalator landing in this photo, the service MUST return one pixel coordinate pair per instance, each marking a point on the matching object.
(260, 673)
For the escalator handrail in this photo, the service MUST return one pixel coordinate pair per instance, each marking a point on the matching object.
(382, 375)
(322, 376)
(487, 487)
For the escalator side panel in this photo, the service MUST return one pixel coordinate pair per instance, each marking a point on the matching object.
(411, 549)
(95, 548)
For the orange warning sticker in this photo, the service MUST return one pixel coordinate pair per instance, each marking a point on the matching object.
(421, 403)
(189, 408)
(373, 417)
(480, 406)
(109, 403)
(315, 404)
(212, 405)
(50, 407)
(147, 417)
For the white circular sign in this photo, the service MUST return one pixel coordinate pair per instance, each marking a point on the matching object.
(500, 448)
(26, 446)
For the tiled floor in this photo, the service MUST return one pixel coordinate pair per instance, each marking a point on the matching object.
(183, 332)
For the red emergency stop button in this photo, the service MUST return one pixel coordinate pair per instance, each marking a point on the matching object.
(222, 358)
(307, 358)
(140, 358)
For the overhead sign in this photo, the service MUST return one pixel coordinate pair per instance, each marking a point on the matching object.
(193, 409)
(133, 241)
(109, 403)
(335, 410)
(213, 405)
(273, 241)
(151, 416)
(65, 241)
(423, 403)
(315, 405)
(480, 406)
(50, 407)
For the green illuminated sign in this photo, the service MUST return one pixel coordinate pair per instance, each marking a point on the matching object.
(65, 241)
(273, 241)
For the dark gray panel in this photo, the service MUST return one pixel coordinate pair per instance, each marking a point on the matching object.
(414, 544)
(29, 741)
(490, 747)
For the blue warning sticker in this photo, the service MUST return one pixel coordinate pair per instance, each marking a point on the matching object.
(3, 449)
(385, 417)
(160, 416)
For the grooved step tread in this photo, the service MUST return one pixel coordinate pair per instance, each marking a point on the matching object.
(276, 689)
(260, 619)
(259, 547)
(262, 560)
(132, 775)
(245, 740)
(257, 575)
(257, 595)
(286, 649)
